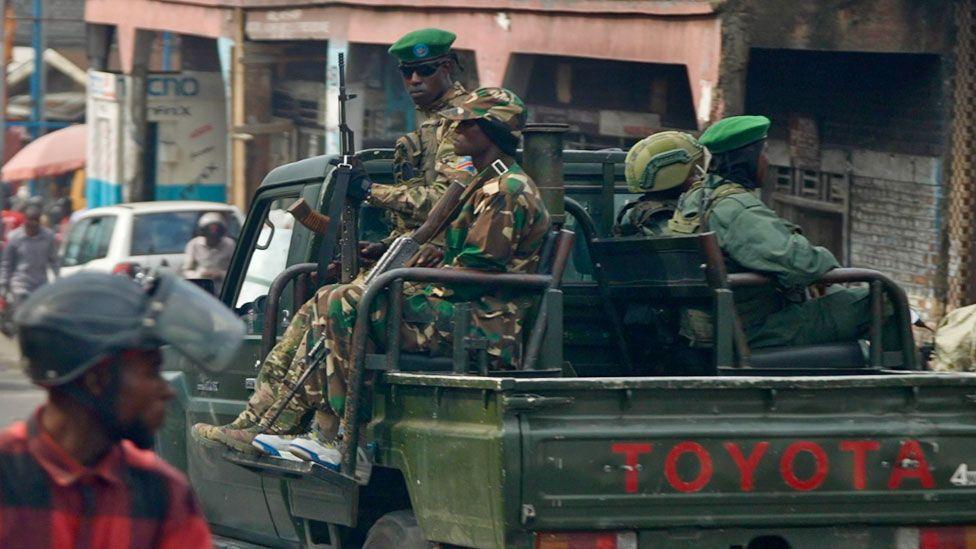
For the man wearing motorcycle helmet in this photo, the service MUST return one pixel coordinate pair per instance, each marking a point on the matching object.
(79, 472)
(208, 255)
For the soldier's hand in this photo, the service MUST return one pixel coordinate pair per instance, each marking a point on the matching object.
(428, 255)
(359, 181)
(818, 290)
(372, 250)
(332, 272)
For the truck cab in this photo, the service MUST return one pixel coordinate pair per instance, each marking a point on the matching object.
(609, 433)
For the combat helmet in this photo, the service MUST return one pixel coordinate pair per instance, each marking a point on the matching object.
(663, 161)
(69, 325)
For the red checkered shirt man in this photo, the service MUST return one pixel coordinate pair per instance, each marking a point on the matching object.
(79, 472)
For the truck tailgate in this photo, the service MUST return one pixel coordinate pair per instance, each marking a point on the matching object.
(645, 453)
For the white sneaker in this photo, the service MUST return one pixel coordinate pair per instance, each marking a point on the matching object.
(275, 446)
(328, 454)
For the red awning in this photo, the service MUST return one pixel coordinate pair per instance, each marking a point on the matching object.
(55, 153)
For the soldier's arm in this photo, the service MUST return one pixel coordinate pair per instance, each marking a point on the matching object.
(414, 197)
(756, 238)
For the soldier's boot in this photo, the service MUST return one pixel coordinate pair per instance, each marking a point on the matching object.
(211, 435)
(240, 439)
(264, 396)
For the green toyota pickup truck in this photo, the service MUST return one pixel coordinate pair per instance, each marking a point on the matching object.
(610, 433)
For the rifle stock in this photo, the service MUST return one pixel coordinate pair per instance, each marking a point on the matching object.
(311, 219)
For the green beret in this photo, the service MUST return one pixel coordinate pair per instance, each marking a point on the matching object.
(735, 132)
(422, 45)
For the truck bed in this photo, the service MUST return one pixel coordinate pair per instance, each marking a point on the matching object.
(646, 453)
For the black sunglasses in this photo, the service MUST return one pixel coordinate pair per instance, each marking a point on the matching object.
(424, 70)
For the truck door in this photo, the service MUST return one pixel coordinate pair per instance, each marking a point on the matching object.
(233, 498)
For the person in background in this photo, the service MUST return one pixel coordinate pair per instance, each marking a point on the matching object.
(31, 250)
(208, 255)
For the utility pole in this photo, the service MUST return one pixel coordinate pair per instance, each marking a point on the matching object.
(138, 189)
(3, 95)
(37, 82)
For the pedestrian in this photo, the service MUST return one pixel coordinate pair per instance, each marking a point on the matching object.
(79, 472)
(659, 167)
(30, 252)
(424, 160)
(208, 254)
(753, 238)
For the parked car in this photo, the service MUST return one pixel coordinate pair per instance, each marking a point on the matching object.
(127, 237)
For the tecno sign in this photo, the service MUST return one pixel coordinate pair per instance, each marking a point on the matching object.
(173, 86)
(801, 466)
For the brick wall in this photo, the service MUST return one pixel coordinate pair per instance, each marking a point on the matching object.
(895, 222)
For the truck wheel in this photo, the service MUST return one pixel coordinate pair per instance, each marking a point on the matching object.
(396, 530)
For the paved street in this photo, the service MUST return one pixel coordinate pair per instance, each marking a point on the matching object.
(18, 397)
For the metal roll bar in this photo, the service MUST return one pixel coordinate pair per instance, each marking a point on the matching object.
(270, 328)
(878, 283)
(361, 329)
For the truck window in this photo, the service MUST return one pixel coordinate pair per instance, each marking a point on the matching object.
(88, 240)
(168, 232)
(270, 255)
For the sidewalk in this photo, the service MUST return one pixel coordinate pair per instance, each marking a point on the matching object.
(11, 376)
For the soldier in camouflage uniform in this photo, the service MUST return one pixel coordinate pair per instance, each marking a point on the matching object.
(422, 163)
(754, 238)
(660, 167)
(423, 158)
(500, 228)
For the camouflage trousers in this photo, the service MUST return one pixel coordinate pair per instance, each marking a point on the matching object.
(281, 371)
(426, 326)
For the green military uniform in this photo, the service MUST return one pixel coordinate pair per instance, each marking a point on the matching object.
(754, 238)
(422, 163)
(500, 228)
(657, 166)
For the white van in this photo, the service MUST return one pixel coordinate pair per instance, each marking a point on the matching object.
(140, 234)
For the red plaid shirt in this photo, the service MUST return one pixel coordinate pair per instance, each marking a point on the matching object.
(129, 499)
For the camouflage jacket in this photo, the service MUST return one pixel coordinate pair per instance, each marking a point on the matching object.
(500, 228)
(422, 161)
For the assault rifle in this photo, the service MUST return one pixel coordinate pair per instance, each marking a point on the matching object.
(340, 207)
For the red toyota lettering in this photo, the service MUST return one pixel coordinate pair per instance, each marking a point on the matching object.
(859, 450)
(747, 466)
(819, 470)
(631, 452)
(704, 467)
(910, 463)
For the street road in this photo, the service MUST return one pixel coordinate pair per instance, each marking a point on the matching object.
(18, 397)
